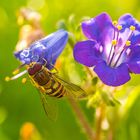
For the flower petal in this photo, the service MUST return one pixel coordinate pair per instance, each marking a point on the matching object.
(48, 48)
(87, 53)
(135, 39)
(133, 60)
(112, 76)
(24, 56)
(99, 28)
(127, 20)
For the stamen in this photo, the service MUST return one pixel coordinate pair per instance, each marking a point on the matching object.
(114, 42)
(111, 57)
(128, 43)
(119, 27)
(115, 23)
(132, 28)
(24, 80)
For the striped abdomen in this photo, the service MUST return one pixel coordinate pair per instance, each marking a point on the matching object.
(46, 84)
(54, 88)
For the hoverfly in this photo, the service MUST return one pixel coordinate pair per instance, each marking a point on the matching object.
(50, 84)
(39, 60)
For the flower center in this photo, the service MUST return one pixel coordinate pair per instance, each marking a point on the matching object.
(120, 43)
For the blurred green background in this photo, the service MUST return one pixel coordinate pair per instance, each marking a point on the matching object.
(21, 103)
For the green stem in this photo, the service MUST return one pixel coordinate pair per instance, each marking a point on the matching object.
(82, 119)
(78, 111)
(100, 112)
(110, 134)
(89, 72)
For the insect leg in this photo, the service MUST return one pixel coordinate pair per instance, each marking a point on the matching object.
(56, 71)
(45, 62)
(50, 63)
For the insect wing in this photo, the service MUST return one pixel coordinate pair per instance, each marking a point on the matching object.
(50, 108)
(72, 89)
(48, 103)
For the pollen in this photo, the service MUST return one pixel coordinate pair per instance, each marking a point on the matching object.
(24, 80)
(119, 27)
(114, 42)
(7, 79)
(15, 72)
(115, 23)
(128, 43)
(132, 28)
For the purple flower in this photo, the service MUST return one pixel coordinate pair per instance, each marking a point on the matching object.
(48, 48)
(112, 48)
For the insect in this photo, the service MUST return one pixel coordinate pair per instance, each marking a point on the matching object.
(49, 85)
(39, 59)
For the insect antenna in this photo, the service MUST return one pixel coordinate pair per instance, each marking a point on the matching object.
(56, 71)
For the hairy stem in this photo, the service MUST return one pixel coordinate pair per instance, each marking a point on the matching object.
(82, 119)
(100, 112)
(110, 134)
(89, 72)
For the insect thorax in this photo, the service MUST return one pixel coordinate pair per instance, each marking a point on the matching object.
(42, 77)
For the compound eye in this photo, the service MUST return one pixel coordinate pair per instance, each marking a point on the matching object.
(34, 69)
(31, 71)
(37, 67)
